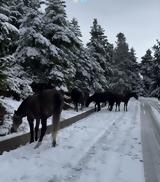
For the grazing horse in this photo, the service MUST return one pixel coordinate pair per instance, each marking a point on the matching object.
(40, 107)
(124, 98)
(77, 97)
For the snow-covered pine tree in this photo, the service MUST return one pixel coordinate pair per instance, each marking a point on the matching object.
(125, 62)
(59, 31)
(146, 70)
(133, 72)
(99, 49)
(9, 35)
(16, 77)
(74, 26)
(121, 52)
(82, 63)
(8, 32)
(35, 52)
(155, 84)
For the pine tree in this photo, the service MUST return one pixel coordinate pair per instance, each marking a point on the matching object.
(125, 62)
(121, 52)
(76, 28)
(3, 76)
(82, 62)
(155, 84)
(99, 49)
(8, 32)
(146, 71)
(60, 33)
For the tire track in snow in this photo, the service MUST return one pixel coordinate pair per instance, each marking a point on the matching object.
(151, 143)
(107, 136)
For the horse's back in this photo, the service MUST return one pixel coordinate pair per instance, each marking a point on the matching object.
(46, 103)
(51, 99)
(77, 95)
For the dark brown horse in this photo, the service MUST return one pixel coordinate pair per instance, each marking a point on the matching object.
(98, 98)
(40, 107)
(102, 97)
(124, 98)
(77, 97)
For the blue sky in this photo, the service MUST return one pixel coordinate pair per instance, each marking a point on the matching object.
(137, 19)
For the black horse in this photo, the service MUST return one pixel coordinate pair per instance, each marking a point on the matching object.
(124, 98)
(98, 98)
(40, 107)
(78, 97)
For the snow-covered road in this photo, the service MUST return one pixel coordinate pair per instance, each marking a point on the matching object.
(105, 147)
(150, 117)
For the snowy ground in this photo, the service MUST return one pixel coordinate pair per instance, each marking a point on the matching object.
(105, 147)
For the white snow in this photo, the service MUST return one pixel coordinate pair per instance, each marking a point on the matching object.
(105, 147)
(3, 18)
(31, 52)
(10, 28)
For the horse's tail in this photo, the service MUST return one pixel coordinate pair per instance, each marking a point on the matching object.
(58, 102)
(58, 105)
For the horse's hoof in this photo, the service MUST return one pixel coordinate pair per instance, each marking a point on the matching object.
(53, 143)
(31, 141)
(37, 145)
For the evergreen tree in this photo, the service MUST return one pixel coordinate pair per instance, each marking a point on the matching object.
(147, 72)
(100, 50)
(125, 62)
(82, 63)
(59, 31)
(34, 51)
(155, 84)
(76, 28)
(8, 32)
(2, 76)
(121, 52)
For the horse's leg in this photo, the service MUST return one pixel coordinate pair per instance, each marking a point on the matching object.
(126, 106)
(36, 129)
(82, 106)
(55, 124)
(76, 108)
(31, 125)
(95, 107)
(119, 106)
(99, 106)
(43, 130)
(116, 106)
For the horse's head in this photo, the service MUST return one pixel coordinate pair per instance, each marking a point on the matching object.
(135, 95)
(17, 120)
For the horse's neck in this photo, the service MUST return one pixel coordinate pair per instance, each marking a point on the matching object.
(127, 97)
(22, 109)
(130, 95)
